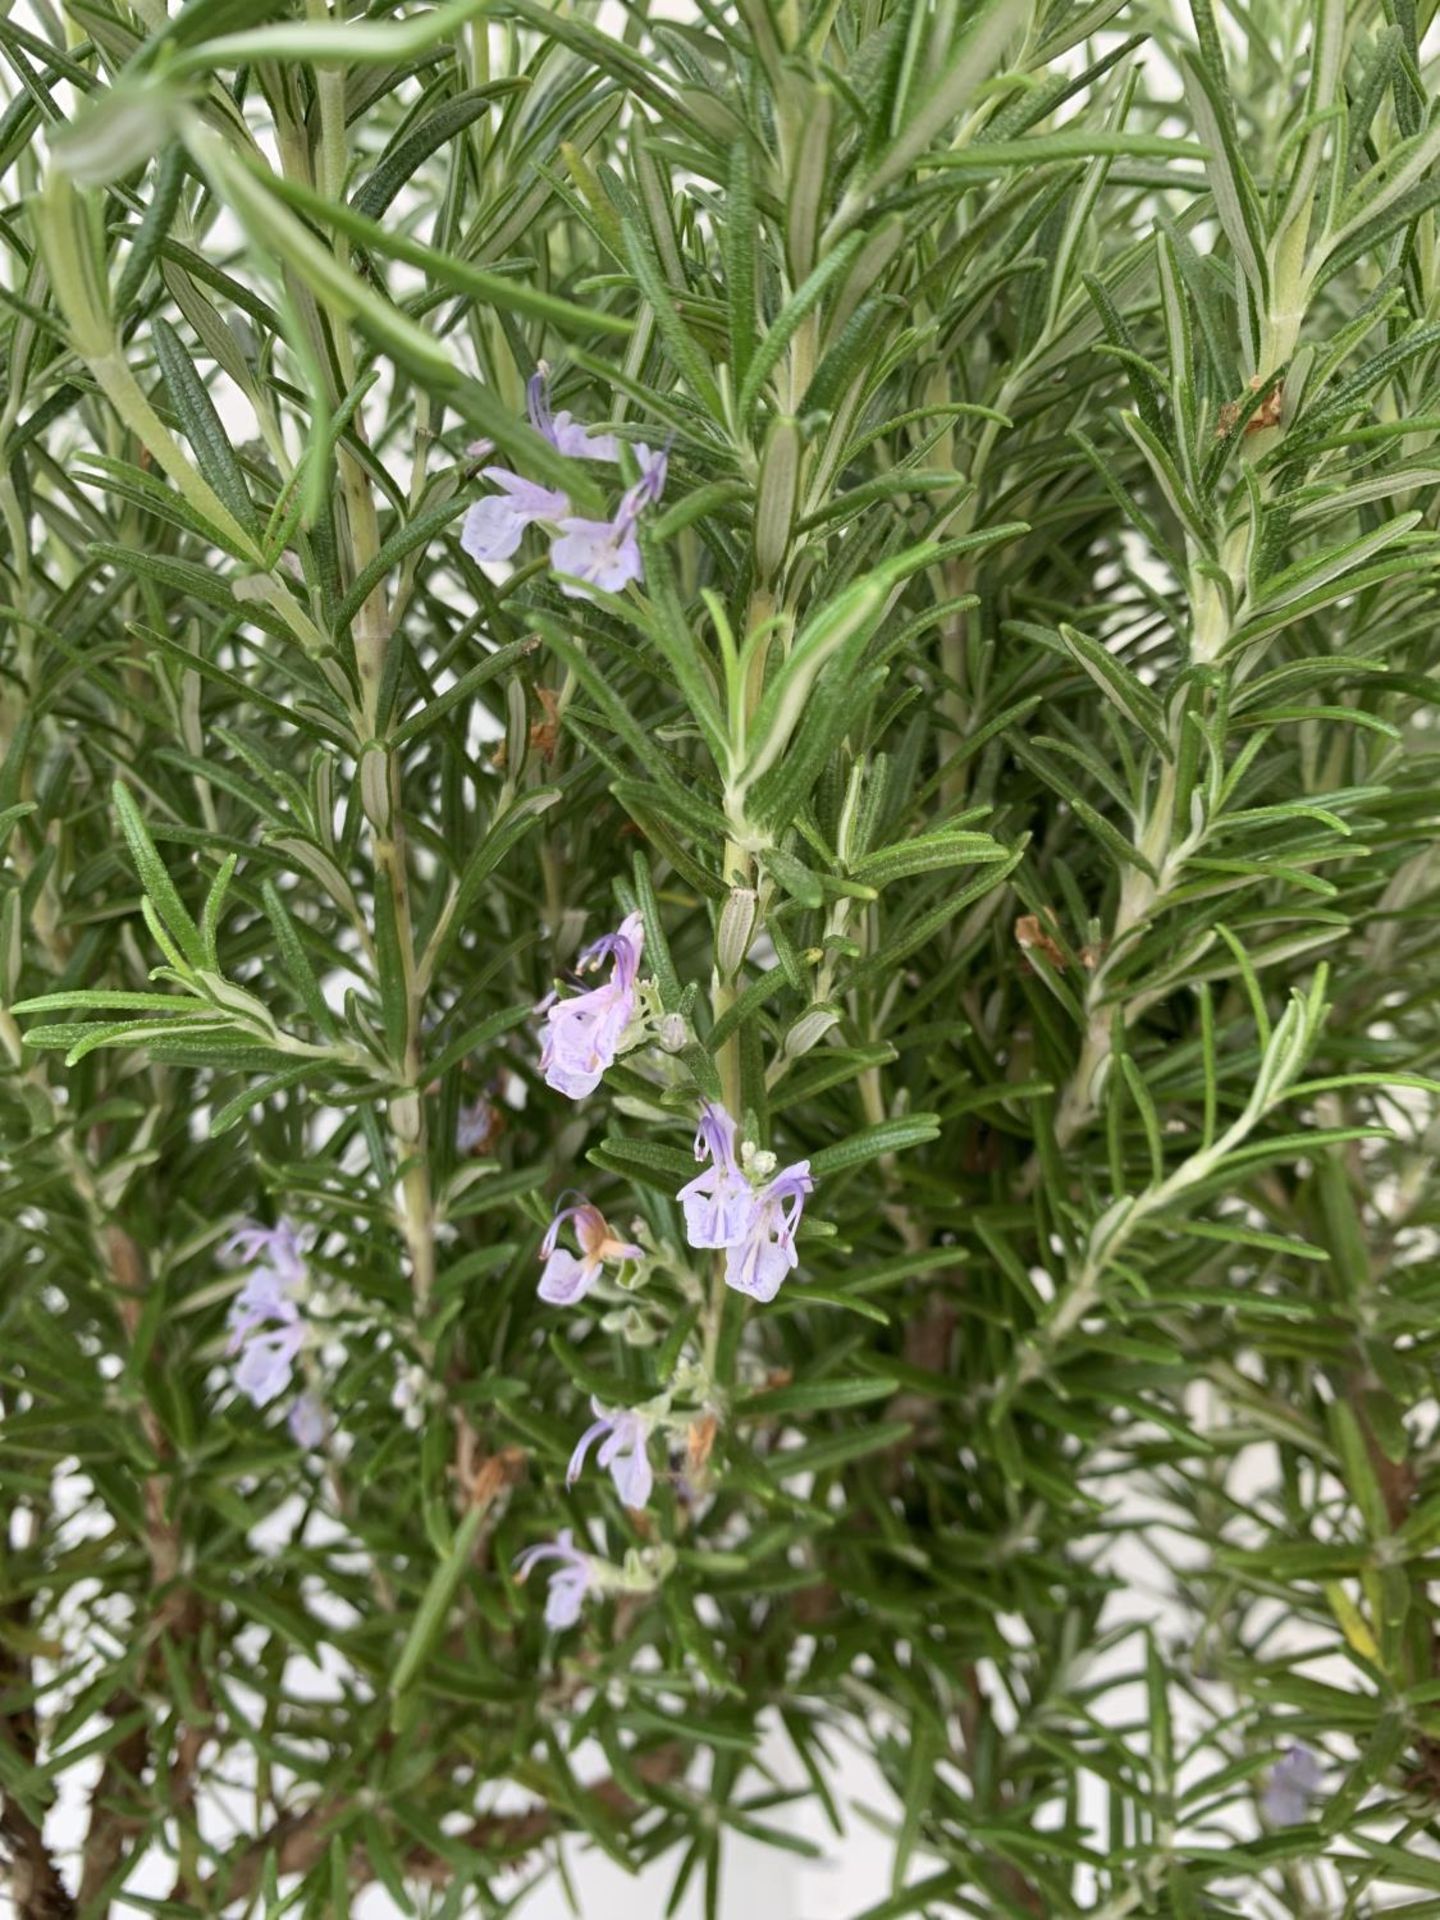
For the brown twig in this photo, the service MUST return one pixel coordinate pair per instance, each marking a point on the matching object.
(33, 1878)
(300, 1841)
(112, 1824)
(162, 1537)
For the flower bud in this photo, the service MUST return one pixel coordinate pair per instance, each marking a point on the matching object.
(809, 1030)
(190, 728)
(375, 786)
(12, 957)
(673, 1032)
(736, 931)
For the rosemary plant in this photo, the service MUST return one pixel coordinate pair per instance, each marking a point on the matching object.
(717, 950)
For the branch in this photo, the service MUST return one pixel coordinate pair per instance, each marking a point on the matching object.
(35, 1884)
(111, 1824)
(34, 1880)
(300, 1841)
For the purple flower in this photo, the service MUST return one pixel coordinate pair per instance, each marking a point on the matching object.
(719, 1202)
(569, 1583)
(564, 432)
(277, 1248)
(602, 553)
(264, 1367)
(606, 553)
(755, 1225)
(264, 1297)
(266, 1328)
(494, 527)
(583, 1034)
(1294, 1779)
(307, 1422)
(758, 1263)
(653, 467)
(623, 1451)
(566, 1280)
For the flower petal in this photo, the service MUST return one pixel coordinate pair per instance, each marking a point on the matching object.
(601, 553)
(565, 1281)
(632, 1473)
(573, 438)
(758, 1267)
(307, 1422)
(494, 527)
(587, 1439)
(565, 1597)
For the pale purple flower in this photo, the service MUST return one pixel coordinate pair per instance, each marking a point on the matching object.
(755, 1225)
(567, 1279)
(277, 1248)
(564, 432)
(718, 1203)
(653, 467)
(1294, 1780)
(757, 1264)
(622, 1451)
(494, 527)
(583, 1034)
(264, 1367)
(307, 1422)
(265, 1297)
(569, 1583)
(606, 553)
(601, 553)
(266, 1328)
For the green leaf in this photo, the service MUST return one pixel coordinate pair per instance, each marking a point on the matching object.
(155, 878)
(494, 289)
(814, 1396)
(154, 226)
(1120, 686)
(739, 236)
(987, 30)
(201, 425)
(888, 1136)
(683, 349)
(780, 332)
(840, 1449)
(435, 1604)
(407, 538)
(297, 965)
(409, 151)
(926, 853)
(330, 43)
(1236, 201)
(919, 1897)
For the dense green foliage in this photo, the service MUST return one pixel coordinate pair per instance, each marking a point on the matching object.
(1020, 751)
